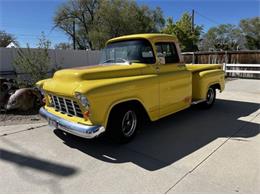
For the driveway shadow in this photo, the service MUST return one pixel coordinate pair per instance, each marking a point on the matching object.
(166, 141)
(37, 164)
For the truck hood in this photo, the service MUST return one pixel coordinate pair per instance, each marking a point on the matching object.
(66, 81)
(97, 72)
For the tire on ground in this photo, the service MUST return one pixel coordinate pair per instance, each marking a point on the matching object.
(210, 98)
(123, 123)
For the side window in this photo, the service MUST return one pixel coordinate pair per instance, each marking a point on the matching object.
(169, 51)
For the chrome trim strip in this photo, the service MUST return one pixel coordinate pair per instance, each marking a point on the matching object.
(65, 104)
(58, 100)
(80, 130)
(197, 102)
(54, 103)
(74, 109)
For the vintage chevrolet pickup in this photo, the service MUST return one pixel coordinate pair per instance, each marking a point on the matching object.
(139, 76)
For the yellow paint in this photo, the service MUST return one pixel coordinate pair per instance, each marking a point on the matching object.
(161, 89)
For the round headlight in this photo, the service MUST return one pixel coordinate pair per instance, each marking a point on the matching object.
(83, 99)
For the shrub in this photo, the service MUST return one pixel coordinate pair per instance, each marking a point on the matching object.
(33, 64)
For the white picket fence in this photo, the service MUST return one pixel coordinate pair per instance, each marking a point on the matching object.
(242, 70)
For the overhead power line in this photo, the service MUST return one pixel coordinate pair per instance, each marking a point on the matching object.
(207, 18)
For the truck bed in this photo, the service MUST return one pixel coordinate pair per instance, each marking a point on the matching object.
(203, 76)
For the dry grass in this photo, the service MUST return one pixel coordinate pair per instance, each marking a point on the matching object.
(19, 117)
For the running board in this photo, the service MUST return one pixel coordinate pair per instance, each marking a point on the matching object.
(197, 102)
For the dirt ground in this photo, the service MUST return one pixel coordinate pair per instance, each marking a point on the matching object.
(19, 117)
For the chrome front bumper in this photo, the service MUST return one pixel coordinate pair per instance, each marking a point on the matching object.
(80, 130)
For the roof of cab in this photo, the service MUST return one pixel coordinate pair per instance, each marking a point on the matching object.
(149, 36)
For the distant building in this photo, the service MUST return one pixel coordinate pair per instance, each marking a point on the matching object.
(12, 45)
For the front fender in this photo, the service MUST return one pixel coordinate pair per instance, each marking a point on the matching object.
(40, 83)
(104, 95)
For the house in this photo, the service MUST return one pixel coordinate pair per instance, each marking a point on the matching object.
(12, 45)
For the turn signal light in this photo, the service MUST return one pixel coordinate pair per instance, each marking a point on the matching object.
(86, 114)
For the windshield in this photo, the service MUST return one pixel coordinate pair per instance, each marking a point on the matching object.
(127, 52)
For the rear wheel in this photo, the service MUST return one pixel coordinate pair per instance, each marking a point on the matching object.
(123, 124)
(210, 98)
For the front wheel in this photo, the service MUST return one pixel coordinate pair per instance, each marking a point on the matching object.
(210, 98)
(123, 124)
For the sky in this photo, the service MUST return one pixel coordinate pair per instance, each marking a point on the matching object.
(26, 19)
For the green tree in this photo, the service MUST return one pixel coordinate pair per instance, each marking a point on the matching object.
(251, 31)
(119, 17)
(35, 63)
(99, 20)
(6, 39)
(222, 38)
(182, 30)
(82, 12)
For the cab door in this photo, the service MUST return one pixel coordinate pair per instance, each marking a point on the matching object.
(174, 80)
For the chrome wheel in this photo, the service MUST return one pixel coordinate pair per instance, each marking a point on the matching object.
(210, 96)
(129, 123)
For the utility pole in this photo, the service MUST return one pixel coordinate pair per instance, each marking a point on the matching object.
(192, 28)
(192, 21)
(74, 35)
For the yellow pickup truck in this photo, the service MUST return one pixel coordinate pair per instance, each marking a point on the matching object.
(141, 75)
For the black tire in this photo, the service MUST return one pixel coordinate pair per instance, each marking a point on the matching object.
(123, 124)
(210, 98)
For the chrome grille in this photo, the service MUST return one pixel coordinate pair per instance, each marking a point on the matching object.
(66, 106)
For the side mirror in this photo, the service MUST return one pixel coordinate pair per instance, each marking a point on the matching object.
(161, 58)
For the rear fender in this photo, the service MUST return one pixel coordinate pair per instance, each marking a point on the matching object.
(201, 81)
